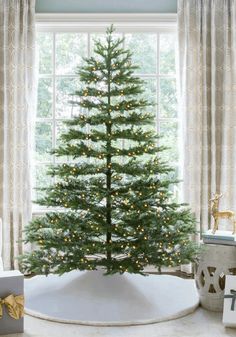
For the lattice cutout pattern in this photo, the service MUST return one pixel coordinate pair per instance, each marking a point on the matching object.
(222, 281)
(211, 270)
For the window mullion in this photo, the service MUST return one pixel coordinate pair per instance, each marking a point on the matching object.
(54, 96)
(55, 120)
(158, 86)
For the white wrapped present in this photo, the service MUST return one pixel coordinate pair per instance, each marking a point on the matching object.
(229, 311)
(11, 302)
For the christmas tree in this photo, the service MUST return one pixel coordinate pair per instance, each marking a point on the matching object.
(112, 205)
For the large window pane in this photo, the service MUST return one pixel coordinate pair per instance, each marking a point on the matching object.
(44, 108)
(150, 93)
(43, 141)
(169, 139)
(168, 99)
(102, 38)
(45, 50)
(157, 69)
(175, 188)
(65, 88)
(167, 53)
(70, 50)
(144, 49)
(61, 128)
(41, 180)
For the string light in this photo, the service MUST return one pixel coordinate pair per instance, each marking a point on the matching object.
(85, 217)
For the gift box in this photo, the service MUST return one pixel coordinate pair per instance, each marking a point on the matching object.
(229, 311)
(11, 302)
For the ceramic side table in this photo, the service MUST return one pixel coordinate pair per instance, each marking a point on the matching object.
(214, 263)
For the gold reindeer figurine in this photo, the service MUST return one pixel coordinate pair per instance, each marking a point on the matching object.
(220, 214)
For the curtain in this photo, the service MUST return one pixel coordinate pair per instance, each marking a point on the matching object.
(17, 106)
(207, 95)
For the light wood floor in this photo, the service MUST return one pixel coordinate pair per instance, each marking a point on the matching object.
(201, 323)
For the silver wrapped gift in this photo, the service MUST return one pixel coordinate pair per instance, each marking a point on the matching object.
(11, 302)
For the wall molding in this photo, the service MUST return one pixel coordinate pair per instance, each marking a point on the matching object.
(126, 20)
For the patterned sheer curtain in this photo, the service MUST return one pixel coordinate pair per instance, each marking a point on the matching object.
(207, 68)
(17, 106)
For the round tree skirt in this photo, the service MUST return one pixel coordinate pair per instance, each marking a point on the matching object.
(90, 298)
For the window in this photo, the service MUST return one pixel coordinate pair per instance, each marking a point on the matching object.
(60, 51)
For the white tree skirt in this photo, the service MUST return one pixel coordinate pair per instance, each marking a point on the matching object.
(90, 298)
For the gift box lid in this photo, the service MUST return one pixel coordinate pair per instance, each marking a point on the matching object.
(10, 273)
(11, 282)
(224, 235)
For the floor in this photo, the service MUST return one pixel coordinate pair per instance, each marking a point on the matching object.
(201, 323)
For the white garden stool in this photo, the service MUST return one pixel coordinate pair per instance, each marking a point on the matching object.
(215, 262)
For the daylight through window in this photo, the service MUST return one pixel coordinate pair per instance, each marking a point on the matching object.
(60, 53)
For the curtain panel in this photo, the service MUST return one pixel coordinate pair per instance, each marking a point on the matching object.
(17, 107)
(207, 74)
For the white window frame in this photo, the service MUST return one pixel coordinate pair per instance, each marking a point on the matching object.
(95, 23)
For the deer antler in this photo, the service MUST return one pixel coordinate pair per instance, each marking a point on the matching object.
(217, 196)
